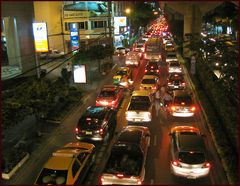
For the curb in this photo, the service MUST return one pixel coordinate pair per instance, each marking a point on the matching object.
(7, 176)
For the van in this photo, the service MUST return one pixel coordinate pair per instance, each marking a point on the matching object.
(153, 49)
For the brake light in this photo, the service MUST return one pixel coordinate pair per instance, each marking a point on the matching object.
(169, 83)
(139, 182)
(184, 83)
(102, 179)
(173, 108)
(101, 131)
(193, 108)
(157, 70)
(114, 101)
(120, 175)
(145, 70)
(207, 165)
(154, 87)
(76, 130)
(151, 66)
(175, 163)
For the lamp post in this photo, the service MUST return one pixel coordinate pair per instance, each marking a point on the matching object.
(128, 12)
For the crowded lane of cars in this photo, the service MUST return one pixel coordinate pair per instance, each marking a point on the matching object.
(145, 142)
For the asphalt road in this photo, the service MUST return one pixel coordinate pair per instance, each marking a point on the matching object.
(158, 160)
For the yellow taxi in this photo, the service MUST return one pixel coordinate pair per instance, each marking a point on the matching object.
(68, 165)
(122, 76)
(149, 82)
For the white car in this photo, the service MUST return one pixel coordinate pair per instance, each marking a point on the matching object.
(171, 56)
(132, 58)
(188, 153)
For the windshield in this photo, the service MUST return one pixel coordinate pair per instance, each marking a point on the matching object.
(191, 157)
(152, 48)
(90, 123)
(148, 81)
(121, 73)
(107, 94)
(125, 159)
(174, 64)
(52, 177)
(187, 100)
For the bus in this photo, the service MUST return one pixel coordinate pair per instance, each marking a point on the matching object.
(153, 49)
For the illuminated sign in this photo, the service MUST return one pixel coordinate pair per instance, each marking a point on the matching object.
(79, 74)
(74, 36)
(119, 22)
(40, 37)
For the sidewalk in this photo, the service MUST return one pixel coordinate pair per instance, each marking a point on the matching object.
(25, 132)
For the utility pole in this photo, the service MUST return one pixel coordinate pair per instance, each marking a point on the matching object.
(110, 21)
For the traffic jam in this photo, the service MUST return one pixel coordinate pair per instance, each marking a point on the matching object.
(149, 87)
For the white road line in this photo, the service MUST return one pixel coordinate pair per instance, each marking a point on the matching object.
(155, 140)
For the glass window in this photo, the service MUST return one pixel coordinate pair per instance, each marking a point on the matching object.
(81, 25)
(50, 176)
(75, 168)
(191, 157)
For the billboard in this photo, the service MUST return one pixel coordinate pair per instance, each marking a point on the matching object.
(119, 22)
(40, 37)
(79, 74)
(74, 36)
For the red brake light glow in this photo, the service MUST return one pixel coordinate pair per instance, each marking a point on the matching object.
(76, 130)
(101, 131)
(120, 175)
(173, 108)
(193, 108)
(175, 163)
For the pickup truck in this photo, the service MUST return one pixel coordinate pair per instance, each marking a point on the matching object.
(126, 163)
(140, 107)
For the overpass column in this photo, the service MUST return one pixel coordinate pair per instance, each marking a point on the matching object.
(192, 20)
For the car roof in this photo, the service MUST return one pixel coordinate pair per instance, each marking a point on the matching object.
(141, 93)
(110, 87)
(191, 142)
(181, 93)
(149, 77)
(58, 163)
(95, 111)
(184, 128)
(130, 136)
(122, 69)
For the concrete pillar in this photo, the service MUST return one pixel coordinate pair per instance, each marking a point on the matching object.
(12, 42)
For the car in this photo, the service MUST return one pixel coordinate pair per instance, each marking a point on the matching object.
(174, 66)
(182, 104)
(140, 107)
(152, 68)
(52, 54)
(68, 165)
(169, 48)
(96, 124)
(188, 153)
(139, 47)
(132, 58)
(123, 77)
(149, 82)
(121, 50)
(110, 96)
(176, 81)
(171, 56)
(127, 160)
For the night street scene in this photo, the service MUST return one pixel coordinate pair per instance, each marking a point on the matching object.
(119, 92)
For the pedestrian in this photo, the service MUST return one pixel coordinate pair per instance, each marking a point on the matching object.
(193, 64)
(167, 98)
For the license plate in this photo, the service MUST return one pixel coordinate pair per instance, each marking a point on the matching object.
(175, 86)
(137, 120)
(88, 133)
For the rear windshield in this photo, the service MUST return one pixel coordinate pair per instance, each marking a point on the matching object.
(140, 99)
(52, 177)
(125, 159)
(105, 93)
(187, 100)
(121, 72)
(139, 106)
(171, 55)
(191, 157)
(173, 64)
(152, 48)
(176, 78)
(148, 81)
(90, 123)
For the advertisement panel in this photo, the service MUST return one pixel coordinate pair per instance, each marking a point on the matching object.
(119, 22)
(40, 37)
(74, 36)
(79, 74)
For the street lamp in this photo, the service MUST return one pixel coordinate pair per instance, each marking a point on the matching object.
(128, 11)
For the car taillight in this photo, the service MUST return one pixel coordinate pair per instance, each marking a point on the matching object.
(141, 87)
(184, 83)
(77, 130)
(145, 70)
(154, 87)
(102, 179)
(157, 70)
(175, 163)
(193, 108)
(120, 175)
(139, 182)
(114, 101)
(145, 55)
(173, 108)
(169, 83)
(151, 66)
(101, 131)
(207, 165)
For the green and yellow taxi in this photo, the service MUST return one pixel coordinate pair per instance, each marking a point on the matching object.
(122, 76)
(68, 165)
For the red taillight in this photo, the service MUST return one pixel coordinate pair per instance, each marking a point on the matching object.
(102, 179)
(139, 182)
(114, 101)
(157, 70)
(175, 162)
(120, 175)
(154, 87)
(101, 131)
(151, 66)
(76, 130)
(145, 70)
(173, 108)
(193, 108)
(183, 83)
(207, 165)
